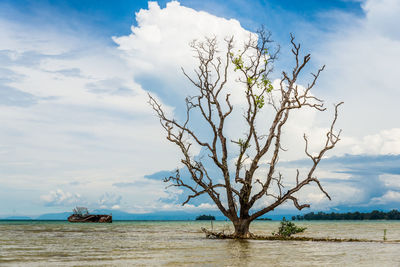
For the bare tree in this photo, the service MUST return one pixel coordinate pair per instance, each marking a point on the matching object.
(242, 187)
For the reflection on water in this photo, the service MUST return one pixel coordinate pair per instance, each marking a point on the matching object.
(239, 251)
(182, 243)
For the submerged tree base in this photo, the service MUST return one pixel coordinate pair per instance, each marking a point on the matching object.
(222, 235)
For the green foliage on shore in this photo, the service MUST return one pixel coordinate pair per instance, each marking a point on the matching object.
(374, 215)
(287, 228)
(205, 218)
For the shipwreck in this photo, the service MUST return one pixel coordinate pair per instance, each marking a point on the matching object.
(82, 215)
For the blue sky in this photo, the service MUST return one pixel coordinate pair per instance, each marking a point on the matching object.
(74, 77)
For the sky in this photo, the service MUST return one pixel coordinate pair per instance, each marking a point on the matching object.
(76, 128)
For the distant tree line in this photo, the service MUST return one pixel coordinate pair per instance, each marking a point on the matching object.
(374, 215)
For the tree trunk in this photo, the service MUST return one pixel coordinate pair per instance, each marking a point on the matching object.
(242, 228)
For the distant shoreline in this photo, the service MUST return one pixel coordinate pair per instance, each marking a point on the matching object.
(374, 215)
(199, 221)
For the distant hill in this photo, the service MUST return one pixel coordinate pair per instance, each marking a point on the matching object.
(125, 216)
(54, 216)
(119, 215)
(17, 218)
(161, 215)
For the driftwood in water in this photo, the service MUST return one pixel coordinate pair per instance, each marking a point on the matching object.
(222, 235)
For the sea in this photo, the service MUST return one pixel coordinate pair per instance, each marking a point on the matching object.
(181, 243)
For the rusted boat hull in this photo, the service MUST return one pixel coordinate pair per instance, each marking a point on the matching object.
(90, 219)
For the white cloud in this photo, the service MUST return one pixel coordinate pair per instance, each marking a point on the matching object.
(361, 55)
(115, 207)
(159, 46)
(391, 180)
(110, 200)
(384, 142)
(382, 17)
(388, 197)
(61, 198)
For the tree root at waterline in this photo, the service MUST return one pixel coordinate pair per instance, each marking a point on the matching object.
(222, 235)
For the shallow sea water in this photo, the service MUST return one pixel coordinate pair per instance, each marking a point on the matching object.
(181, 243)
